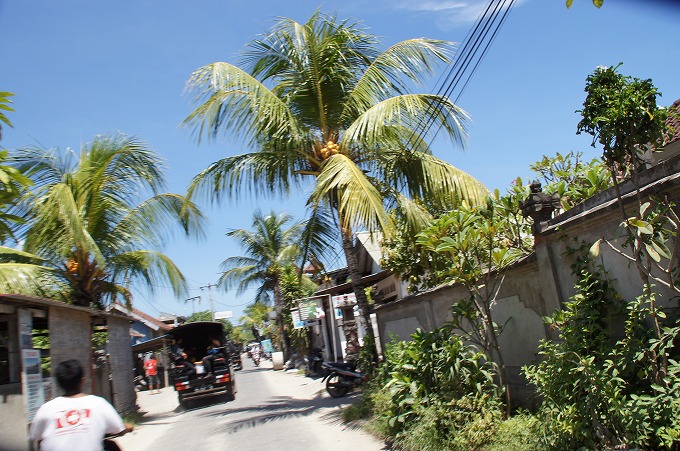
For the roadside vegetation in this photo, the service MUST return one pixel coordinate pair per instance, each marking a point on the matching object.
(442, 389)
(87, 227)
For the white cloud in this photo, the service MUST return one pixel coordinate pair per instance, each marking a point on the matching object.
(449, 13)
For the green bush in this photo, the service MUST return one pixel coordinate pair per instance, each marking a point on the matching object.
(435, 392)
(597, 392)
(521, 432)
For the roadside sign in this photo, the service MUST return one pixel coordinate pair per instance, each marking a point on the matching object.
(224, 315)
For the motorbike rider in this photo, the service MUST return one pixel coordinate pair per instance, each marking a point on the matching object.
(215, 351)
(255, 354)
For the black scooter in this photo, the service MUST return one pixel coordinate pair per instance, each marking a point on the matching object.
(341, 378)
(313, 363)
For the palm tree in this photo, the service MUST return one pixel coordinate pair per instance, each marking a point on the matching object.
(270, 247)
(322, 103)
(4, 106)
(255, 317)
(89, 231)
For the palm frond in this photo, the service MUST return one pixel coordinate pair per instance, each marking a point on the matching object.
(59, 227)
(359, 202)
(415, 216)
(30, 280)
(405, 112)
(413, 59)
(153, 268)
(231, 99)
(152, 222)
(319, 236)
(260, 173)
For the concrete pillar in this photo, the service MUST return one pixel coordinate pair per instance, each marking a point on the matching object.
(71, 338)
(119, 349)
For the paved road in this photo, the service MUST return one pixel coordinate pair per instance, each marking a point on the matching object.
(272, 410)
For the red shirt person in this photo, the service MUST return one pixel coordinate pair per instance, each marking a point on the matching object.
(151, 370)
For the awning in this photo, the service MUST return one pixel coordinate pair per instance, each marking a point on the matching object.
(155, 344)
(347, 287)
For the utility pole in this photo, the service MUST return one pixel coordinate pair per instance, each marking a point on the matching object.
(195, 298)
(212, 309)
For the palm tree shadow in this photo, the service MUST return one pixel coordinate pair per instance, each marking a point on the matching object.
(286, 407)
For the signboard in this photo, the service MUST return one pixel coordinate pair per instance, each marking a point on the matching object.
(267, 346)
(224, 315)
(344, 300)
(31, 378)
(25, 323)
(298, 323)
(308, 313)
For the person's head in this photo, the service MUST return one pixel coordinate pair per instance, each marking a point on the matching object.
(216, 342)
(69, 374)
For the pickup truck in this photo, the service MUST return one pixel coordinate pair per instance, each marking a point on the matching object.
(194, 339)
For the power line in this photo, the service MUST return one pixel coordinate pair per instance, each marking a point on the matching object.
(212, 307)
(480, 36)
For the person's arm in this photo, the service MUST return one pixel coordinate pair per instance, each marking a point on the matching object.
(114, 423)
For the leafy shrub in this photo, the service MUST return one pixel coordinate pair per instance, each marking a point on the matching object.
(597, 393)
(440, 392)
(521, 432)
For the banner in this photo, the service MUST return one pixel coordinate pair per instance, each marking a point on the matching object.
(34, 391)
(308, 313)
(344, 300)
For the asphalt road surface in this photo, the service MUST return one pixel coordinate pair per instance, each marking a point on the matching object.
(272, 410)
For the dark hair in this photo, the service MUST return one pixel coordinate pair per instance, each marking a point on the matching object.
(69, 374)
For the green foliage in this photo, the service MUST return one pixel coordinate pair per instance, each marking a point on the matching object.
(570, 177)
(207, 315)
(5, 101)
(597, 3)
(96, 224)
(435, 381)
(521, 432)
(295, 286)
(255, 320)
(622, 115)
(99, 339)
(598, 394)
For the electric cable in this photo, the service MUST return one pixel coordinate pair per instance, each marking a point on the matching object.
(465, 58)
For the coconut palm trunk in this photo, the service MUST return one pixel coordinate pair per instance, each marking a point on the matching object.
(357, 286)
(281, 321)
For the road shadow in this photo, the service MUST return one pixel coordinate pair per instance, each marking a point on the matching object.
(284, 407)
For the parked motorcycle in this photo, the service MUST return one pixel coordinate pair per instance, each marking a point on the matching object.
(341, 378)
(140, 383)
(313, 363)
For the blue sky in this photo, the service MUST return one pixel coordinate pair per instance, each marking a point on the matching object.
(81, 68)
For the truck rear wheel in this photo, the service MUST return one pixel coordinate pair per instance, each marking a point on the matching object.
(182, 402)
(230, 392)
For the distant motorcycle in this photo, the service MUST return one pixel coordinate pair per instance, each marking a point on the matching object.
(255, 355)
(341, 378)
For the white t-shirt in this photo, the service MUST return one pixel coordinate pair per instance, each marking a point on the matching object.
(72, 424)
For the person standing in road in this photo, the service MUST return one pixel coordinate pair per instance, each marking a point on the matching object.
(74, 421)
(151, 370)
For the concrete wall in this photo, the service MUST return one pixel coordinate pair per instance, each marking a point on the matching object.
(520, 305)
(71, 338)
(539, 285)
(121, 364)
